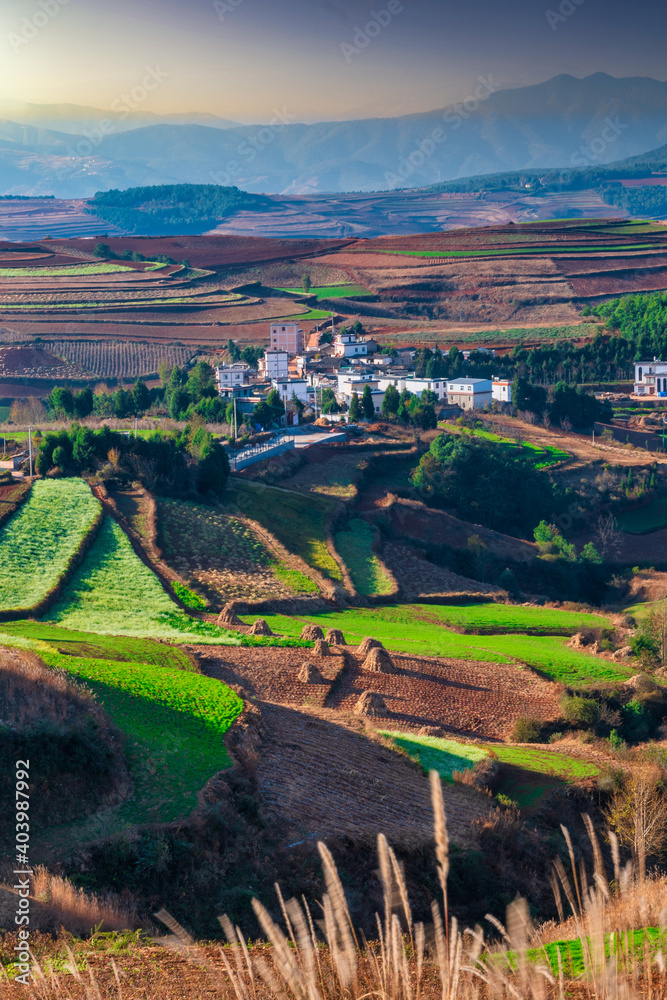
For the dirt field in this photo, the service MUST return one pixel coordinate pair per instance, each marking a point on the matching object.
(419, 579)
(481, 699)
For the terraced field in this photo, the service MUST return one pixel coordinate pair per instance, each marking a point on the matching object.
(298, 522)
(416, 631)
(114, 593)
(222, 554)
(526, 774)
(355, 546)
(38, 544)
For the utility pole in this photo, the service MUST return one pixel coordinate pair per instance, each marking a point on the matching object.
(30, 447)
(136, 426)
(235, 427)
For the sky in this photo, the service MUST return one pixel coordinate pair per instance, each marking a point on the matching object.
(313, 60)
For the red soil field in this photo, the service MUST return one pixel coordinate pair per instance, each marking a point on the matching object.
(594, 264)
(620, 284)
(216, 252)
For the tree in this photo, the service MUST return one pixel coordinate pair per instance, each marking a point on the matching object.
(607, 534)
(355, 408)
(275, 404)
(306, 283)
(263, 414)
(61, 402)
(102, 250)
(367, 404)
(180, 400)
(83, 451)
(141, 397)
(638, 814)
(329, 402)
(27, 411)
(391, 402)
(83, 403)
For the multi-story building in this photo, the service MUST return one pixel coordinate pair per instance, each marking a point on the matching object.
(274, 364)
(470, 393)
(348, 345)
(501, 389)
(415, 385)
(287, 387)
(650, 377)
(227, 376)
(286, 337)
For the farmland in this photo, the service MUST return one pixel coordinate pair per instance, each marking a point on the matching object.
(223, 554)
(114, 593)
(355, 546)
(37, 545)
(649, 517)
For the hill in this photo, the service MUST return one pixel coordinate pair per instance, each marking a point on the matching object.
(560, 123)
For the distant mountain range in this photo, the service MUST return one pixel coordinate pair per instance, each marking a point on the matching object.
(565, 122)
(77, 119)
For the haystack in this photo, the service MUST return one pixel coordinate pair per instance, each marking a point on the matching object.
(372, 705)
(321, 648)
(335, 637)
(228, 616)
(311, 633)
(309, 674)
(366, 645)
(379, 661)
(260, 628)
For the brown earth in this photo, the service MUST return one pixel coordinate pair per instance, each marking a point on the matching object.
(419, 579)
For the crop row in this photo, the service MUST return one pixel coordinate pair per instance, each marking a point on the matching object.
(111, 359)
(38, 544)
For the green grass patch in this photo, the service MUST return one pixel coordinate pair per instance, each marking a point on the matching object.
(542, 457)
(38, 543)
(296, 581)
(102, 647)
(412, 629)
(355, 546)
(114, 593)
(299, 522)
(333, 291)
(435, 754)
(650, 517)
(514, 618)
(188, 597)
(552, 250)
(174, 723)
(310, 314)
(61, 272)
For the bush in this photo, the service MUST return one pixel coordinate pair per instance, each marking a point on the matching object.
(581, 712)
(527, 730)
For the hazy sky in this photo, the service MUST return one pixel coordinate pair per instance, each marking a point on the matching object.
(243, 58)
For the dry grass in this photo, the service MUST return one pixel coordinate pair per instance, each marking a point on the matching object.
(66, 906)
(408, 960)
(31, 692)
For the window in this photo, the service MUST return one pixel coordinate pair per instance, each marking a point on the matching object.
(639, 374)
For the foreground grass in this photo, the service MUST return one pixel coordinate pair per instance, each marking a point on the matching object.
(515, 618)
(114, 593)
(38, 543)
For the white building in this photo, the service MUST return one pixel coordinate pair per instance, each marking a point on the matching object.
(274, 364)
(415, 385)
(287, 387)
(501, 389)
(650, 377)
(286, 337)
(228, 376)
(470, 393)
(348, 345)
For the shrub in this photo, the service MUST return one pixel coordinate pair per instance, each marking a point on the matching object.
(527, 730)
(581, 712)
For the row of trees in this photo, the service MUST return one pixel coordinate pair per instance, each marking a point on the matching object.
(563, 405)
(175, 463)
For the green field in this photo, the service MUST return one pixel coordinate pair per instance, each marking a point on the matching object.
(415, 630)
(61, 272)
(299, 522)
(552, 250)
(355, 546)
(38, 543)
(310, 314)
(333, 291)
(114, 593)
(4, 413)
(193, 537)
(542, 457)
(526, 773)
(514, 618)
(174, 722)
(100, 647)
(650, 517)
